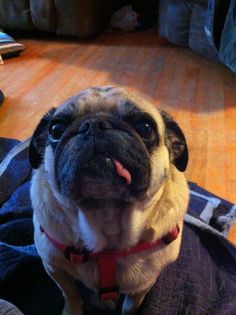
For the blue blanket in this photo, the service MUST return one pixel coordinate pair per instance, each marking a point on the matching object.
(201, 281)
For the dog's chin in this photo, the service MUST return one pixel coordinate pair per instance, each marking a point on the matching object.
(98, 182)
(90, 204)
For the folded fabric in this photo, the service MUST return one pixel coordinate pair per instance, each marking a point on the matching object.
(227, 50)
(208, 27)
(9, 47)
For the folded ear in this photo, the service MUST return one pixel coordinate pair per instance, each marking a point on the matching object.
(176, 142)
(39, 140)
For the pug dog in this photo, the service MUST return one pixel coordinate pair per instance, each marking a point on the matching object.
(109, 195)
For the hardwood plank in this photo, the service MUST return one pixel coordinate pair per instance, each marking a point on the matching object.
(199, 93)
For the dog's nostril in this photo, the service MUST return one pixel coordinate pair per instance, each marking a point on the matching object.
(103, 125)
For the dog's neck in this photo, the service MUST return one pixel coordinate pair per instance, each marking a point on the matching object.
(116, 227)
(107, 227)
(115, 224)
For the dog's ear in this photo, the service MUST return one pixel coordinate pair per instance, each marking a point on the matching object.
(39, 140)
(176, 142)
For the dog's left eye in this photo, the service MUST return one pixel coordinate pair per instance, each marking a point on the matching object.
(56, 131)
(146, 130)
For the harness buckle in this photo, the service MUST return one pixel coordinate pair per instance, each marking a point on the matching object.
(75, 255)
(171, 236)
(109, 293)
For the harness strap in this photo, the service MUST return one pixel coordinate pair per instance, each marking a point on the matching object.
(107, 274)
(107, 260)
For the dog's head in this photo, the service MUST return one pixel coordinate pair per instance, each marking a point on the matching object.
(107, 144)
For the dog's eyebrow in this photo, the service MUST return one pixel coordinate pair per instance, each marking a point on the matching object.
(132, 114)
(101, 89)
(128, 108)
(68, 116)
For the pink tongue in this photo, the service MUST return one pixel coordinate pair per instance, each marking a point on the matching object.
(123, 172)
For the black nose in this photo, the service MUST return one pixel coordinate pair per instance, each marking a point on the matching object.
(92, 126)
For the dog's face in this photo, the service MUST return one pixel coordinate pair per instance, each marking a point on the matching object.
(105, 144)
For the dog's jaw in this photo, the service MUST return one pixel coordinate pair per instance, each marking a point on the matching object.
(115, 226)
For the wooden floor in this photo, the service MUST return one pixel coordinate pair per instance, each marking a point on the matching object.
(199, 93)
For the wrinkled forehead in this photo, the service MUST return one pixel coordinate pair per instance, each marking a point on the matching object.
(109, 99)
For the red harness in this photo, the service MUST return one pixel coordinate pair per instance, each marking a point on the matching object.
(107, 260)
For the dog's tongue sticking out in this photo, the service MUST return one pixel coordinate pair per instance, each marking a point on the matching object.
(123, 172)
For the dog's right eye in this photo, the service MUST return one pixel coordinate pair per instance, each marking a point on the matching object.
(56, 131)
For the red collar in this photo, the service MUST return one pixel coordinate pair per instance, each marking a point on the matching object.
(107, 259)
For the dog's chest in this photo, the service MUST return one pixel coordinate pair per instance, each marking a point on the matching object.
(102, 228)
(110, 226)
(110, 223)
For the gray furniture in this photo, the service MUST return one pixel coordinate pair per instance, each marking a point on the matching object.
(80, 18)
